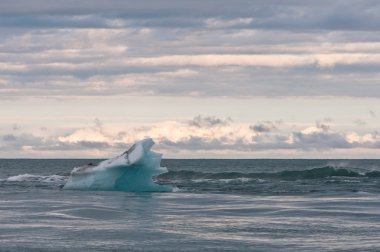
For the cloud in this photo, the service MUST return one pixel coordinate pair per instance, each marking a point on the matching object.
(208, 121)
(28, 142)
(9, 138)
(202, 133)
(93, 136)
(15, 126)
(210, 60)
(268, 60)
(360, 122)
(267, 48)
(92, 48)
(219, 23)
(263, 127)
(372, 113)
(310, 139)
(319, 141)
(292, 15)
(89, 145)
(22, 141)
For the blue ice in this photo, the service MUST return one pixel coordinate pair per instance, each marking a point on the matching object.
(132, 171)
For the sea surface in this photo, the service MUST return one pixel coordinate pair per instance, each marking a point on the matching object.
(217, 205)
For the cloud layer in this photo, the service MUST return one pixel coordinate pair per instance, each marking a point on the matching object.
(194, 138)
(136, 56)
(212, 48)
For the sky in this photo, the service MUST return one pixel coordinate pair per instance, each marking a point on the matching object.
(203, 78)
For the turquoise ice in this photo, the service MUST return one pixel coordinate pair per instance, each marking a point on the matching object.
(132, 171)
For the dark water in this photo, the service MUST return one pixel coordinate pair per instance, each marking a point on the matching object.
(220, 205)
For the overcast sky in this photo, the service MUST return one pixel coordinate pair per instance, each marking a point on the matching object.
(203, 78)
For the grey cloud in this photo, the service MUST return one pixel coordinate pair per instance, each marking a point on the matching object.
(293, 15)
(96, 14)
(274, 83)
(316, 141)
(55, 21)
(360, 122)
(323, 127)
(78, 59)
(208, 121)
(142, 9)
(323, 138)
(80, 145)
(9, 138)
(261, 127)
(320, 140)
(372, 113)
(193, 143)
(98, 125)
(357, 15)
(308, 142)
(15, 126)
(337, 15)
(93, 144)
(17, 142)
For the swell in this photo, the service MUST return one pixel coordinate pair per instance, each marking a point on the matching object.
(315, 173)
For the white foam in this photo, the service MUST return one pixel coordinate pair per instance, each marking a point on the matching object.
(235, 180)
(200, 180)
(176, 189)
(232, 180)
(36, 178)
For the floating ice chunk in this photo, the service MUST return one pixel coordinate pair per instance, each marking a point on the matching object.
(131, 171)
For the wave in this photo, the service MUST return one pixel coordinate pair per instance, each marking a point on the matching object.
(315, 173)
(129, 178)
(241, 180)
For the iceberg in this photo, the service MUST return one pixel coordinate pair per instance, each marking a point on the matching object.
(132, 171)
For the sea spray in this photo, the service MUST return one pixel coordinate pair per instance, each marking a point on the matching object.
(131, 171)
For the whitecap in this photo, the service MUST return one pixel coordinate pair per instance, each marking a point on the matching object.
(36, 178)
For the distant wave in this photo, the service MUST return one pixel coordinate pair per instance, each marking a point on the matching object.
(322, 179)
(315, 173)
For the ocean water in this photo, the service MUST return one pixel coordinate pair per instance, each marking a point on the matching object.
(217, 205)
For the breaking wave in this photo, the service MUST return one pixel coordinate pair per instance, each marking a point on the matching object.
(139, 174)
(37, 178)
